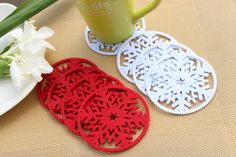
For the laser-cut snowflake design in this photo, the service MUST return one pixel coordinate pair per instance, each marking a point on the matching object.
(60, 68)
(151, 56)
(108, 49)
(181, 83)
(134, 47)
(78, 93)
(110, 120)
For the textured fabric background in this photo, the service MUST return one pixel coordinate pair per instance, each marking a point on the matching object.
(207, 26)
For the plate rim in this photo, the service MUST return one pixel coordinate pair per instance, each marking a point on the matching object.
(7, 106)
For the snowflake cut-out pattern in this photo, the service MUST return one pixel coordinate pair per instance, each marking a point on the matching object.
(114, 119)
(181, 83)
(104, 48)
(143, 64)
(78, 93)
(53, 87)
(59, 68)
(134, 47)
(62, 85)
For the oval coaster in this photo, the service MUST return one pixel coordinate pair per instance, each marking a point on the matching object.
(181, 83)
(113, 119)
(60, 87)
(136, 45)
(78, 93)
(59, 68)
(107, 49)
(151, 56)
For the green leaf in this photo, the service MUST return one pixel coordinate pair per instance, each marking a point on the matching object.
(25, 11)
(5, 67)
(5, 49)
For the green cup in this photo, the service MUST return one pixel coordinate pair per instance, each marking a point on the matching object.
(113, 21)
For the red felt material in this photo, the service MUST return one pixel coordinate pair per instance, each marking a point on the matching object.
(110, 119)
(62, 86)
(60, 67)
(93, 105)
(79, 91)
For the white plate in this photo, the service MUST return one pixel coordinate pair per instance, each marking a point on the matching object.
(5, 10)
(9, 95)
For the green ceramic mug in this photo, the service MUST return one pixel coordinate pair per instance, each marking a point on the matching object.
(113, 21)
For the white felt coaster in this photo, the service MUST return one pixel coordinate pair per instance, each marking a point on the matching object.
(135, 46)
(107, 49)
(152, 55)
(181, 83)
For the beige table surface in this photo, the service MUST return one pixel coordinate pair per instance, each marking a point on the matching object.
(207, 26)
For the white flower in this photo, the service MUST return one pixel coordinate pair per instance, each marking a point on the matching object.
(29, 35)
(5, 41)
(28, 64)
(27, 51)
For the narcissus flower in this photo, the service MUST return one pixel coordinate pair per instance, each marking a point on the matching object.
(25, 55)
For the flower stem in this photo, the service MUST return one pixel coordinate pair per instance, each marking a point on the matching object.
(25, 11)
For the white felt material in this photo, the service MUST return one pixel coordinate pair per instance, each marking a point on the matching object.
(152, 55)
(181, 83)
(136, 45)
(108, 49)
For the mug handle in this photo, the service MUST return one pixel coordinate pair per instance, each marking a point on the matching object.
(142, 12)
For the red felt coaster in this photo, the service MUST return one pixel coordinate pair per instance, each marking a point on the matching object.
(60, 67)
(113, 119)
(79, 92)
(60, 87)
